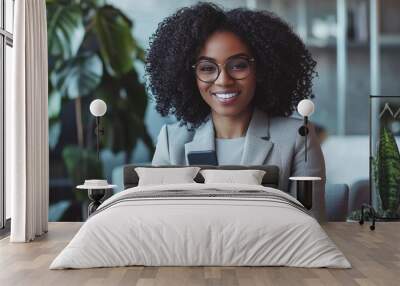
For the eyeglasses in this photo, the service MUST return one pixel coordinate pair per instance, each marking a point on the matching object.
(237, 68)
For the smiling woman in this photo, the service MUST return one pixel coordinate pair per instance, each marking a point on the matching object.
(232, 79)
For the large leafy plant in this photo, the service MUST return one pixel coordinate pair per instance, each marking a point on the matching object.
(92, 54)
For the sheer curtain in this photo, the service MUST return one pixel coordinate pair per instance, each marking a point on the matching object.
(27, 158)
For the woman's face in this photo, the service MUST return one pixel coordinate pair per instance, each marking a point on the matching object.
(227, 96)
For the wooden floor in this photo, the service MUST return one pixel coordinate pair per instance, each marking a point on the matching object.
(374, 255)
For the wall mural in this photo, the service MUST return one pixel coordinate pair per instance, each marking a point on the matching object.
(108, 50)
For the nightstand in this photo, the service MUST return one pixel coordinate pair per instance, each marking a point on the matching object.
(304, 190)
(96, 192)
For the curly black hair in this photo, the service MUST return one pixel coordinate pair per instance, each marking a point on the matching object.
(284, 66)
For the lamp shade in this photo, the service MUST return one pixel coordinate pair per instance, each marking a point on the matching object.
(98, 107)
(305, 107)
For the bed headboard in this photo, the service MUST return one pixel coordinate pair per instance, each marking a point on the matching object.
(270, 179)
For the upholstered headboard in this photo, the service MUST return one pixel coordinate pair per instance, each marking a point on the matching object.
(270, 179)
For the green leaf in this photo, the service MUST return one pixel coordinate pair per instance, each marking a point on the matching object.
(80, 75)
(387, 172)
(54, 104)
(81, 164)
(117, 46)
(65, 30)
(57, 210)
(54, 134)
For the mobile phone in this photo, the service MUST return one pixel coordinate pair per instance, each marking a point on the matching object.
(202, 158)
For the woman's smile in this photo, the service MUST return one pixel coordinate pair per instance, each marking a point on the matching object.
(225, 97)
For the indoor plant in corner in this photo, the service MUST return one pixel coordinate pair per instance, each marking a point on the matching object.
(386, 175)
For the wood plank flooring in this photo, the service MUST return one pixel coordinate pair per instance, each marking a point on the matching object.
(374, 255)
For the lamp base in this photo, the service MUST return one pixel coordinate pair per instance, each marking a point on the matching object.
(95, 195)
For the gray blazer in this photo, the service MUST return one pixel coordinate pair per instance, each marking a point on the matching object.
(268, 141)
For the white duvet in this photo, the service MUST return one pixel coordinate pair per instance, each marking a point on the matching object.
(182, 231)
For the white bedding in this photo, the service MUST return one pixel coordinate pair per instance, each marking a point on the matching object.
(189, 230)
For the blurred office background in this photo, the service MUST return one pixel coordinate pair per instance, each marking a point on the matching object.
(356, 44)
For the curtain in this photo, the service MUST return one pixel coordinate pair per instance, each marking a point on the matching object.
(27, 157)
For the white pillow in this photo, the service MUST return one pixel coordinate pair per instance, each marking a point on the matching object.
(163, 176)
(248, 177)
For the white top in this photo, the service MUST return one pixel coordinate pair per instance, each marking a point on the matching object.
(95, 185)
(229, 151)
(86, 187)
(305, 178)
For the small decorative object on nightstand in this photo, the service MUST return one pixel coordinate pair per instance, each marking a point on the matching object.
(304, 189)
(96, 192)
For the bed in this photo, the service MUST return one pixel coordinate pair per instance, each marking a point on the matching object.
(198, 224)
